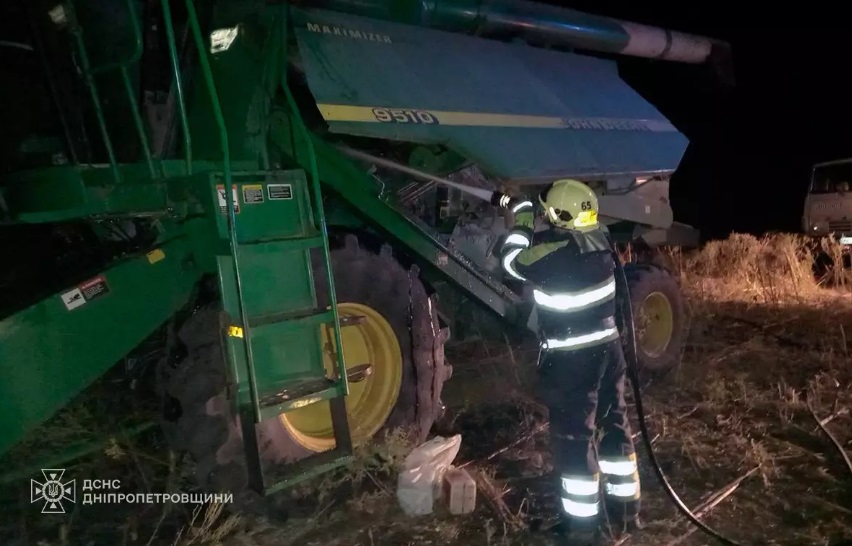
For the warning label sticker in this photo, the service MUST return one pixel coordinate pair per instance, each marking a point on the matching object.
(73, 299)
(252, 193)
(94, 288)
(85, 292)
(223, 206)
(278, 192)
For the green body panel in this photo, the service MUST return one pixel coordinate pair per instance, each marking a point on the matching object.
(68, 192)
(271, 206)
(263, 291)
(48, 353)
(63, 193)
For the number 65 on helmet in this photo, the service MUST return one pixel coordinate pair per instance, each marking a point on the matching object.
(570, 204)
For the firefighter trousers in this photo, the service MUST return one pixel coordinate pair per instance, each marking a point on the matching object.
(590, 437)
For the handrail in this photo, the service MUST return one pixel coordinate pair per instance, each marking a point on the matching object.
(50, 76)
(89, 73)
(137, 45)
(137, 121)
(173, 56)
(93, 91)
(315, 185)
(192, 19)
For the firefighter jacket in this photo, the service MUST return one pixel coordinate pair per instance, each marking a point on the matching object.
(572, 278)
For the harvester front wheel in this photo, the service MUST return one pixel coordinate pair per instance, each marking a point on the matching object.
(396, 332)
(399, 336)
(658, 316)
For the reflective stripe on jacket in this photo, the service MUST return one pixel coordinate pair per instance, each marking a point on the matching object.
(572, 275)
(519, 238)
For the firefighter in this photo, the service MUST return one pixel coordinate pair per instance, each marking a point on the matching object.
(570, 268)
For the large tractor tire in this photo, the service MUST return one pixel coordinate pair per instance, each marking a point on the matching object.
(399, 336)
(658, 316)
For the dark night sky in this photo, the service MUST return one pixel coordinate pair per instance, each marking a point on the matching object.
(751, 150)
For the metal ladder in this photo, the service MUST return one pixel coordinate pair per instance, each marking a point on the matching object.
(275, 344)
(268, 343)
(274, 338)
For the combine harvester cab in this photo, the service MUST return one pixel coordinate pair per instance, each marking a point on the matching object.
(289, 289)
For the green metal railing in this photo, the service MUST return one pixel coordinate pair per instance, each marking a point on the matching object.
(124, 65)
(173, 56)
(317, 191)
(204, 61)
(89, 73)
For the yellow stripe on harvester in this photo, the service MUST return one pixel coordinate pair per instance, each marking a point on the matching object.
(409, 116)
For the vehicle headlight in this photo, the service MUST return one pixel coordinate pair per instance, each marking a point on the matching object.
(819, 227)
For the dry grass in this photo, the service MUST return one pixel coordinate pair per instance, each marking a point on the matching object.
(763, 334)
(776, 269)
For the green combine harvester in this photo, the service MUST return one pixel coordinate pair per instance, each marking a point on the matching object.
(199, 173)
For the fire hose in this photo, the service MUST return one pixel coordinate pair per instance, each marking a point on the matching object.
(502, 200)
(633, 374)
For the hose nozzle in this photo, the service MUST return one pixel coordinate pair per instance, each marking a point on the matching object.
(506, 201)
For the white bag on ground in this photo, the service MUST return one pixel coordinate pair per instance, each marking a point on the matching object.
(419, 483)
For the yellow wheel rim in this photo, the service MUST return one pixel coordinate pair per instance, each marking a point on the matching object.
(370, 401)
(656, 324)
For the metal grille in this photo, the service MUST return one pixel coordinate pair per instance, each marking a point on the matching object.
(840, 226)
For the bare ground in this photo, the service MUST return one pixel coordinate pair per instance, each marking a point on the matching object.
(735, 407)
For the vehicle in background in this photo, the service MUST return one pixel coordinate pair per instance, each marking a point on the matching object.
(828, 205)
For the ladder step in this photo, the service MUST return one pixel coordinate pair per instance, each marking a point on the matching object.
(309, 392)
(316, 315)
(298, 396)
(293, 243)
(303, 316)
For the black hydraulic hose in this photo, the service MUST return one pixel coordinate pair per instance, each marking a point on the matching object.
(633, 374)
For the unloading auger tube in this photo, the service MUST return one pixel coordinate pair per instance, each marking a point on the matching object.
(541, 24)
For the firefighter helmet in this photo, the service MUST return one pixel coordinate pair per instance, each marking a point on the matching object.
(570, 204)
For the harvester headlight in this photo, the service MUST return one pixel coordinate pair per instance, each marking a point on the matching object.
(222, 38)
(58, 14)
